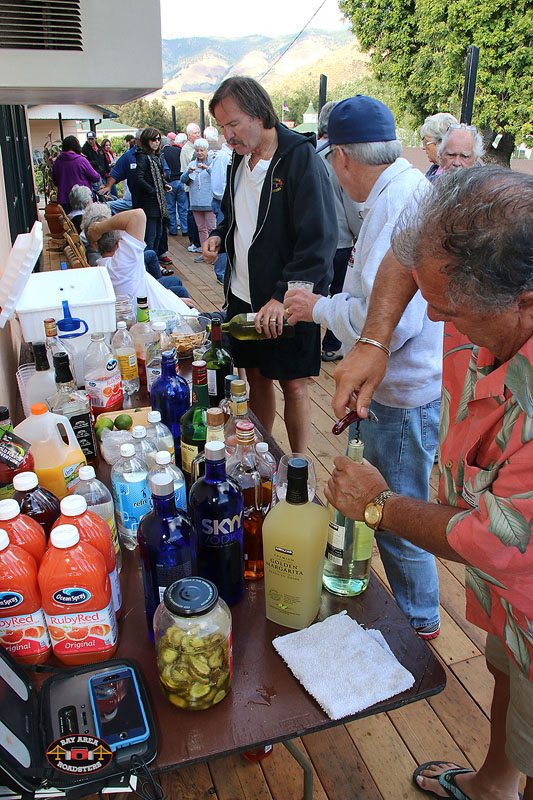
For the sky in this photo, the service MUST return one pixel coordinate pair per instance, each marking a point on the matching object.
(246, 17)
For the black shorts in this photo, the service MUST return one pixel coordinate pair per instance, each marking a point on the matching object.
(279, 359)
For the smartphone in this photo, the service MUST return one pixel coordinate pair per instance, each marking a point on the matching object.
(118, 710)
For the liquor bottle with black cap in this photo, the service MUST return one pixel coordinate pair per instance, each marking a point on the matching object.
(219, 364)
(294, 540)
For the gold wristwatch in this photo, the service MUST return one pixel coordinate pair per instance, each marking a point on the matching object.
(374, 509)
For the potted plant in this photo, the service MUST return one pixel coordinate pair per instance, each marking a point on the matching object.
(51, 150)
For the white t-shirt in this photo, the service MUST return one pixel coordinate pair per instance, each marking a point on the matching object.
(247, 195)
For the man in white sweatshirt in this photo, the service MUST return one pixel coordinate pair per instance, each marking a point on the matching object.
(365, 154)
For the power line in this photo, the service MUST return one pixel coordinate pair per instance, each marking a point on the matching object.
(291, 44)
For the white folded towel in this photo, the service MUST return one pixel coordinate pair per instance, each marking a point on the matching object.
(344, 667)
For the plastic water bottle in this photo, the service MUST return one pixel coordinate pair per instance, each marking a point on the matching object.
(132, 498)
(158, 432)
(100, 501)
(165, 467)
(265, 454)
(145, 448)
(123, 347)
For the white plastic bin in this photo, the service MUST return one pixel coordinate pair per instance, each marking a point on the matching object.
(89, 293)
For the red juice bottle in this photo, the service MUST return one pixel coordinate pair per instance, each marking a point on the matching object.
(23, 531)
(35, 501)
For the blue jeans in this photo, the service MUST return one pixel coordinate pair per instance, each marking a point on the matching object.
(220, 264)
(402, 446)
(177, 198)
(172, 282)
(340, 264)
(152, 235)
(117, 206)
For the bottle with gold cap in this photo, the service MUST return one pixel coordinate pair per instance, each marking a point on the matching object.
(239, 413)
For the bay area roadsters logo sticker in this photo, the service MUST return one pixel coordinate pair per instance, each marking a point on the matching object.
(79, 754)
(277, 185)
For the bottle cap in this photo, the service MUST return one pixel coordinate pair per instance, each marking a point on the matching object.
(154, 416)
(138, 431)
(86, 473)
(25, 481)
(4, 540)
(199, 372)
(215, 451)
(95, 337)
(50, 327)
(238, 387)
(73, 505)
(227, 383)
(190, 597)
(214, 417)
(261, 447)
(40, 353)
(127, 450)
(4, 413)
(9, 509)
(297, 481)
(38, 409)
(159, 326)
(121, 325)
(162, 457)
(62, 368)
(168, 354)
(142, 301)
(161, 484)
(245, 432)
(64, 536)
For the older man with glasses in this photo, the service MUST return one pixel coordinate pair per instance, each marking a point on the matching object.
(461, 146)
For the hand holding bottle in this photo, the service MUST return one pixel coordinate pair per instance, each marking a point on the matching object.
(353, 485)
(269, 319)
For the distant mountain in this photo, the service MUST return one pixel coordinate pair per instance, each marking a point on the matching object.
(194, 67)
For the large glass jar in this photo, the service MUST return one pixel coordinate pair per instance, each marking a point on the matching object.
(192, 629)
(125, 310)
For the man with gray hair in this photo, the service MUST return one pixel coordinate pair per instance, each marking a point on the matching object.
(366, 157)
(186, 156)
(461, 146)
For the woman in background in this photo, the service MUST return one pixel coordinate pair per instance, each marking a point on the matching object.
(71, 168)
(151, 186)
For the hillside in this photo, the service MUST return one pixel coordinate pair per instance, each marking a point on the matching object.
(194, 67)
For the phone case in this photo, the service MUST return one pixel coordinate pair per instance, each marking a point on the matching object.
(132, 739)
(23, 764)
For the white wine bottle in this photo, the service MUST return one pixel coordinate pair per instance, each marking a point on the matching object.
(349, 548)
(294, 540)
(242, 326)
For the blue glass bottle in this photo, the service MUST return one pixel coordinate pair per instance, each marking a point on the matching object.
(170, 396)
(217, 506)
(167, 545)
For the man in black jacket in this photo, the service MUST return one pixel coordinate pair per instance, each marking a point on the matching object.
(279, 225)
(95, 154)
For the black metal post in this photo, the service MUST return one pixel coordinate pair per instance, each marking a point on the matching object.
(469, 89)
(202, 116)
(174, 119)
(60, 118)
(322, 92)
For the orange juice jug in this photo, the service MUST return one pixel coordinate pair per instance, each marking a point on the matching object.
(94, 530)
(76, 597)
(23, 531)
(23, 630)
(54, 447)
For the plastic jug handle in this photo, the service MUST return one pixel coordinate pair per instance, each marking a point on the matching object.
(68, 316)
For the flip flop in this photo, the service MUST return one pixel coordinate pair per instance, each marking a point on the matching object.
(166, 272)
(446, 780)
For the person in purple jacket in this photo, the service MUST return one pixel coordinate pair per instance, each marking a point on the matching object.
(71, 168)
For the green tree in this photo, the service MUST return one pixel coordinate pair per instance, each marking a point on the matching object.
(419, 47)
(143, 114)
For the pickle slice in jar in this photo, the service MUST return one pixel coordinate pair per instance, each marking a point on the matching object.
(199, 666)
(175, 635)
(168, 655)
(216, 659)
(198, 690)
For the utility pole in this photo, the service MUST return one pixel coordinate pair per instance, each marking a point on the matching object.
(174, 119)
(469, 89)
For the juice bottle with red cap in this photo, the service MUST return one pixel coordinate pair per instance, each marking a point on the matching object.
(35, 501)
(95, 531)
(23, 630)
(22, 530)
(76, 597)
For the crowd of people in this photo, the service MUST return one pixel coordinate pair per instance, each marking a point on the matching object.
(404, 268)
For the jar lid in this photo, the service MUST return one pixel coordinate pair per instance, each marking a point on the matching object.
(190, 597)
(25, 481)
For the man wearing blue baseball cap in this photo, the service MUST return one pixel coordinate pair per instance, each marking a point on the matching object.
(366, 157)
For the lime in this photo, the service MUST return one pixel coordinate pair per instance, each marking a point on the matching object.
(103, 422)
(137, 409)
(123, 422)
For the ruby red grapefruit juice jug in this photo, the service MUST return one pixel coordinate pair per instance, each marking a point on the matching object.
(23, 630)
(76, 598)
(23, 531)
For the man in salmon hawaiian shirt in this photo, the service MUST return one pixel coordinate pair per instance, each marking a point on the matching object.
(470, 252)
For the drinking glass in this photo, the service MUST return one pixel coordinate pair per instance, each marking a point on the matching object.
(309, 285)
(281, 477)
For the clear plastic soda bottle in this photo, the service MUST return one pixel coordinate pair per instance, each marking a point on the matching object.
(165, 467)
(132, 499)
(123, 347)
(100, 501)
(144, 447)
(103, 383)
(158, 432)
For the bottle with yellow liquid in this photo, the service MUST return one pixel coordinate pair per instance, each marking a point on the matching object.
(242, 326)
(294, 541)
(55, 449)
(349, 548)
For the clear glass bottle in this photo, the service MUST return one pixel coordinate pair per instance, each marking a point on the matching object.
(154, 350)
(163, 466)
(75, 405)
(125, 310)
(193, 422)
(143, 335)
(171, 397)
(192, 617)
(217, 507)
(265, 454)
(239, 413)
(42, 384)
(294, 541)
(349, 547)
(254, 476)
(53, 342)
(219, 364)
(145, 448)
(103, 383)
(132, 499)
(100, 501)
(225, 403)
(160, 434)
(167, 545)
(123, 347)
(242, 326)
